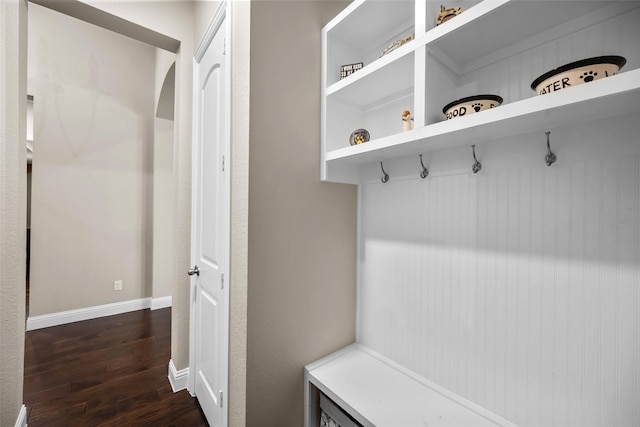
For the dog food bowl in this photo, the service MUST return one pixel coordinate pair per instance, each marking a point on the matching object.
(578, 72)
(470, 105)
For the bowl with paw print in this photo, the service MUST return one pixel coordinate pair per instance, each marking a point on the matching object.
(359, 136)
(471, 105)
(576, 73)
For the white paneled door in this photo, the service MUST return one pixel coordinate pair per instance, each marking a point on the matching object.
(210, 229)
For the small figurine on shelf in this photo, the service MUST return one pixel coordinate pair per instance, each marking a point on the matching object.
(447, 13)
(393, 46)
(407, 120)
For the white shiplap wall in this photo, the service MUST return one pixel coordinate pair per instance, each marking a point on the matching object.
(519, 287)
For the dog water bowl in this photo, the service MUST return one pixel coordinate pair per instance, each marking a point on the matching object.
(577, 73)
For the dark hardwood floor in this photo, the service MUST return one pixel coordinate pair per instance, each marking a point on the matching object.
(105, 372)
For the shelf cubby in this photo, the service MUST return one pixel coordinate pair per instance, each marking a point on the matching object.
(365, 29)
(374, 102)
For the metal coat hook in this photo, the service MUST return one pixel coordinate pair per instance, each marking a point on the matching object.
(424, 172)
(385, 176)
(550, 158)
(477, 165)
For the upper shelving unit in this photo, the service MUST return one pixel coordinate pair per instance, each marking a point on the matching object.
(494, 46)
(617, 95)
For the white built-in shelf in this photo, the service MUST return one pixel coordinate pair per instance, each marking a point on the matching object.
(616, 95)
(390, 75)
(377, 392)
(495, 46)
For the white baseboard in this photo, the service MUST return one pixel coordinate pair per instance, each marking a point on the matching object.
(178, 379)
(162, 302)
(22, 417)
(63, 317)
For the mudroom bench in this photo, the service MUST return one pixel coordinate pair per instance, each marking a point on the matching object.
(357, 386)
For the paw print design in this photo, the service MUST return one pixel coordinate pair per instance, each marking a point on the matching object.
(477, 106)
(588, 76)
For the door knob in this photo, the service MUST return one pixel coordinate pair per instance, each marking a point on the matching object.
(195, 270)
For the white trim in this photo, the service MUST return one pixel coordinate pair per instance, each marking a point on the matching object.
(359, 251)
(162, 302)
(22, 417)
(63, 317)
(212, 29)
(178, 379)
(191, 382)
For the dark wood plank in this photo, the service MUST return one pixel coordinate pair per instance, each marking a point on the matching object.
(105, 372)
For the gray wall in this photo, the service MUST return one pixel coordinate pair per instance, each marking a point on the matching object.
(164, 129)
(13, 97)
(92, 187)
(162, 207)
(173, 19)
(241, 38)
(302, 232)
